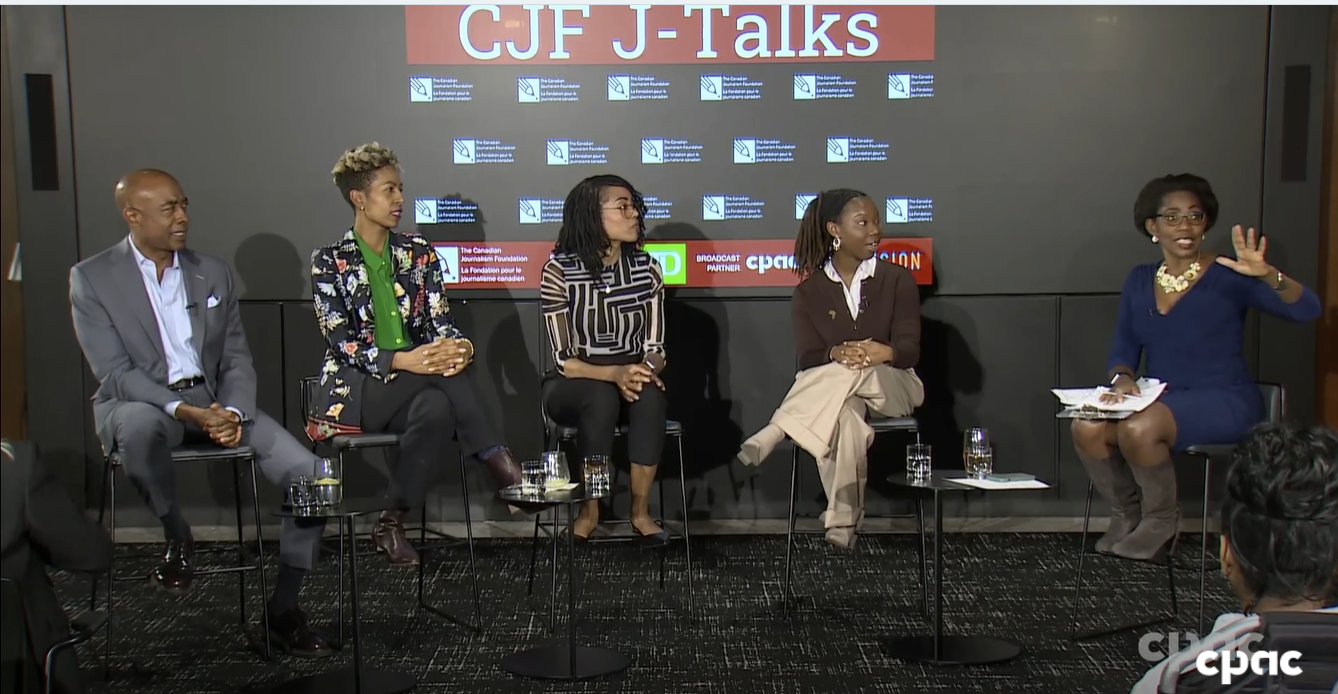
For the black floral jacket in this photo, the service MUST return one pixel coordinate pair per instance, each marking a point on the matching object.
(342, 297)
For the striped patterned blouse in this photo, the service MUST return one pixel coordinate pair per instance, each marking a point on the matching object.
(618, 312)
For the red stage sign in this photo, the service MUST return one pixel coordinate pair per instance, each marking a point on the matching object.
(666, 34)
(692, 264)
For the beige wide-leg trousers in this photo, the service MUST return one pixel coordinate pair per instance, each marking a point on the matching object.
(824, 414)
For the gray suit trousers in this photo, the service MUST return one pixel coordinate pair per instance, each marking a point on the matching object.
(145, 436)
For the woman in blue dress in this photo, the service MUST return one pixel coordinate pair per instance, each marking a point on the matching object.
(1186, 315)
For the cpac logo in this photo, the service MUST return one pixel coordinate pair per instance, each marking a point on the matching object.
(1229, 664)
(763, 263)
(1238, 663)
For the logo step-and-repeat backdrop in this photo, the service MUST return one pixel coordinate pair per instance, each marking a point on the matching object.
(729, 118)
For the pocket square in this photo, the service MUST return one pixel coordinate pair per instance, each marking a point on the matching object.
(211, 302)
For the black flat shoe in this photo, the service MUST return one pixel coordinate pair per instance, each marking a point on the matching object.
(579, 539)
(659, 539)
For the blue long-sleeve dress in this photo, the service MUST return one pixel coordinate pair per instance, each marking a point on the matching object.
(1196, 348)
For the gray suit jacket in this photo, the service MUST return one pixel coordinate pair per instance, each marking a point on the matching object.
(118, 332)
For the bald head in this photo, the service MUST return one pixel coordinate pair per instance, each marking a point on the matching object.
(135, 183)
(154, 207)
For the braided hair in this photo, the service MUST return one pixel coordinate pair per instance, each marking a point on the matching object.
(1280, 515)
(813, 244)
(582, 233)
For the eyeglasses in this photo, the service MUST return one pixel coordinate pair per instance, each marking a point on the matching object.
(1173, 218)
(628, 209)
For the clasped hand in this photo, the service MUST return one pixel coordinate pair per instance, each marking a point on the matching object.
(858, 355)
(223, 426)
(444, 357)
(631, 378)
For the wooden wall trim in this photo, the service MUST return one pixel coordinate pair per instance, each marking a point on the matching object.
(13, 387)
(1326, 367)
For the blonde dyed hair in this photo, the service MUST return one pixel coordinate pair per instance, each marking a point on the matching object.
(358, 166)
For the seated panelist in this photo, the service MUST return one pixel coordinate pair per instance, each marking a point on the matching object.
(161, 329)
(857, 334)
(40, 526)
(602, 299)
(1186, 315)
(395, 359)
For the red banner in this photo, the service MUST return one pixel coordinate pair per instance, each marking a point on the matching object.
(692, 264)
(666, 34)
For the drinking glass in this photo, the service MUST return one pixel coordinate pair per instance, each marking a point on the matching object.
(595, 472)
(327, 482)
(975, 438)
(300, 496)
(532, 476)
(556, 472)
(919, 460)
(980, 462)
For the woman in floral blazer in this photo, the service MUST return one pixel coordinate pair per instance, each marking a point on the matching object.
(395, 360)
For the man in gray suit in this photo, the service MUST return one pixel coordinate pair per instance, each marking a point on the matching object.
(161, 329)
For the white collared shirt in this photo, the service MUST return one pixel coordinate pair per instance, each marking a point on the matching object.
(169, 302)
(864, 271)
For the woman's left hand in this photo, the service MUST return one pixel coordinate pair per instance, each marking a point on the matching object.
(1249, 260)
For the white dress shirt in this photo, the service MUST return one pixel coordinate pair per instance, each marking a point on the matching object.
(169, 302)
(864, 271)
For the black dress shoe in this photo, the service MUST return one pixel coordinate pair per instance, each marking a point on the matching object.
(177, 572)
(659, 539)
(296, 637)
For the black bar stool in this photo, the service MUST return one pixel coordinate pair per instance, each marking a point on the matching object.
(345, 443)
(246, 559)
(556, 435)
(880, 425)
(1275, 408)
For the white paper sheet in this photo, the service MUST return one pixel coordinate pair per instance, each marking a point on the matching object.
(992, 485)
(1149, 390)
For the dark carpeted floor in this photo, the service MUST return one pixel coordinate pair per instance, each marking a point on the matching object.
(1011, 585)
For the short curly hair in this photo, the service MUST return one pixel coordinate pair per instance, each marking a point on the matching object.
(1280, 514)
(356, 168)
(1149, 199)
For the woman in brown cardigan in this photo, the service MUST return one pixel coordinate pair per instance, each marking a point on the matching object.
(857, 334)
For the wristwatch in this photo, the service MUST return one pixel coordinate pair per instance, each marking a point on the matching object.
(1282, 282)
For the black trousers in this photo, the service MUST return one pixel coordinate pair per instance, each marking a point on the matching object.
(425, 411)
(596, 408)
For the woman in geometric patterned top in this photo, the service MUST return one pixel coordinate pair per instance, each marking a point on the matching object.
(602, 298)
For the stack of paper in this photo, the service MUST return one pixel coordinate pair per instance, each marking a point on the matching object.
(1149, 389)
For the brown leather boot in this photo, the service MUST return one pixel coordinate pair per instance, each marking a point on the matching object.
(388, 536)
(1114, 481)
(504, 468)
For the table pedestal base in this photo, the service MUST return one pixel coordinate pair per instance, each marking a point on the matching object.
(953, 650)
(342, 682)
(556, 662)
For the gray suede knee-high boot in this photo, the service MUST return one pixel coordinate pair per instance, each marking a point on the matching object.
(1115, 483)
(1161, 513)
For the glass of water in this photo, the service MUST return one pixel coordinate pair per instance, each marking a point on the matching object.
(327, 482)
(556, 472)
(975, 438)
(532, 476)
(980, 462)
(595, 473)
(300, 496)
(919, 461)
